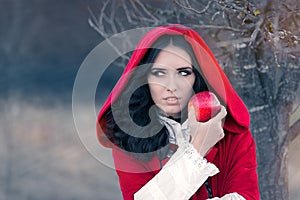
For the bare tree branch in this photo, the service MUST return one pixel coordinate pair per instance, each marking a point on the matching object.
(189, 7)
(217, 27)
(100, 30)
(241, 41)
(147, 11)
(256, 31)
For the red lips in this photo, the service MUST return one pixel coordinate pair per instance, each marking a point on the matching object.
(206, 105)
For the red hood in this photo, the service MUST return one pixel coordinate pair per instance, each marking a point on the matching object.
(237, 119)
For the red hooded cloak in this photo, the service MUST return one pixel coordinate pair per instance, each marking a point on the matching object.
(234, 155)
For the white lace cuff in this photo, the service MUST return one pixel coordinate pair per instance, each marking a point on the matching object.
(192, 154)
(180, 178)
(230, 196)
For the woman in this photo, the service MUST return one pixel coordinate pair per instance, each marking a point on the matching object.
(159, 148)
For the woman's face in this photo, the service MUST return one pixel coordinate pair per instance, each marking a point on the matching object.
(171, 80)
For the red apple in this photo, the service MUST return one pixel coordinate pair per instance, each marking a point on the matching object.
(206, 105)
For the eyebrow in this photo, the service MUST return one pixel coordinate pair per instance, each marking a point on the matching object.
(157, 68)
(178, 69)
(184, 68)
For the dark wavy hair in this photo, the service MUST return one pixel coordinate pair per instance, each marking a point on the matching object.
(127, 118)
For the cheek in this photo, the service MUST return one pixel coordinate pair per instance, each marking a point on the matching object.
(187, 95)
(188, 89)
(187, 84)
(155, 91)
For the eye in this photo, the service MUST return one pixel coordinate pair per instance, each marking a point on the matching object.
(185, 72)
(158, 73)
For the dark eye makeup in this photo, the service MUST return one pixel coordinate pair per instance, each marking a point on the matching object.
(158, 72)
(182, 71)
(185, 71)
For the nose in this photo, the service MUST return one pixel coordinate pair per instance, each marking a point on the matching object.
(171, 84)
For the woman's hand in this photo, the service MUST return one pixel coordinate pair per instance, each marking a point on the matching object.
(204, 135)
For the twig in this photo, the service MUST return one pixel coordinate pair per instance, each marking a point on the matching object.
(256, 30)
(146, 11)
(214, 16)
(127, 13)
(189, 7)
(112, 17)
(233, 42)
(102, 14)
(218, 27)
(104, 35)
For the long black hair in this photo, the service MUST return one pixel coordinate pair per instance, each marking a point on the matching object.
(130, 122)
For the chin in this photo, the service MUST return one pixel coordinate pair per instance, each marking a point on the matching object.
(173, 113)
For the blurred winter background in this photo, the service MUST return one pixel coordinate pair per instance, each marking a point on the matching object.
(42, 45)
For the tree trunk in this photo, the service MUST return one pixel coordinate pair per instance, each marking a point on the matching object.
(253, 84)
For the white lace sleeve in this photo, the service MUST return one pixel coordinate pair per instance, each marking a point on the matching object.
(231, 196)
(180, 178)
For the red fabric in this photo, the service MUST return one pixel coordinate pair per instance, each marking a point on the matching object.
(234, 155)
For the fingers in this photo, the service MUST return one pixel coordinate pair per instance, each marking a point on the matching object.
(221, 114)
(210, 131)
(192, 115)
(221, 133)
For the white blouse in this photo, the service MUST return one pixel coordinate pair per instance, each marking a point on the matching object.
(184, 173)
